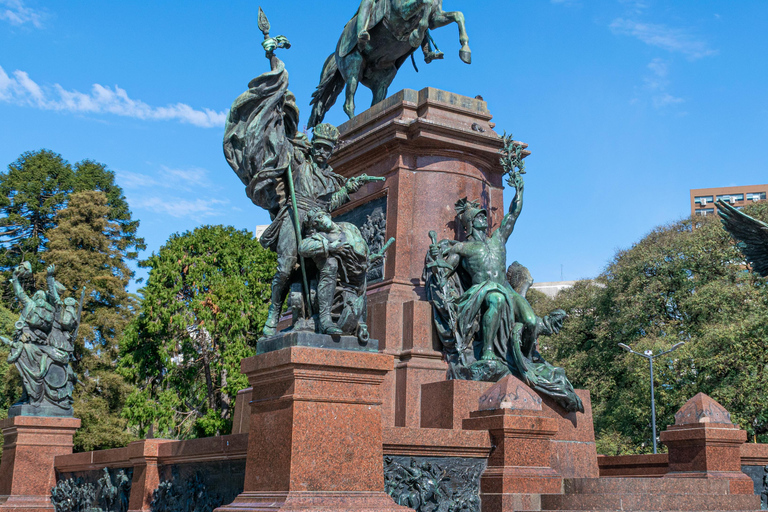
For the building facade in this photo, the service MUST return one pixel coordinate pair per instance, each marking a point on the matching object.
(703, 199)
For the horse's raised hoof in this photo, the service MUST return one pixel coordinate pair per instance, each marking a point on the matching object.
(465, 54)
(433, 56)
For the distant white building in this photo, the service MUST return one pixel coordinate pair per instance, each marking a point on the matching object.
(260, 230)
(552, 288)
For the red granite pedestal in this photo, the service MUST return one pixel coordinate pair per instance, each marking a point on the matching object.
(143, 456)
(433, 148)
(315, 440)
(518, 470)
(27, 472)
(703, 443)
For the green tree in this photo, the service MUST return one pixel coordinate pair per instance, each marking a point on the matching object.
(202, 308)
(35, 188)
(88, 251)
(682, 282)
(10, 390)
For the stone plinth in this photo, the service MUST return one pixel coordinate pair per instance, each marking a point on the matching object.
(27, 472)
(448, 403)
(703, 443)
(433, 148)
(521, 434)
(573, 453)
(315, 440)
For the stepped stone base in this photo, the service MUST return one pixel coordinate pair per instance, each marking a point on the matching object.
(648, 494)
(313, 502)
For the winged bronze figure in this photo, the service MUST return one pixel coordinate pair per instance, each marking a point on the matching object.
(750, 234)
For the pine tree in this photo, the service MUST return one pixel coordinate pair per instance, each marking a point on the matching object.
(88, 251)
(33, 190)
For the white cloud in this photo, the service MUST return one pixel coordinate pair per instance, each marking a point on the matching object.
(16, 13)
(180, 208)
(665, 99)
(19, 89)
(178, 179)
(130, 180)
(668, 38)
(656, 84)
(192, 176)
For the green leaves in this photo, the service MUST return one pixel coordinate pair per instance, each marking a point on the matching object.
(36, 188)
(77, 218)
(203, 306)
(682, 282)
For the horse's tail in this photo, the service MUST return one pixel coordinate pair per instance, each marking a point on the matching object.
(331, 85)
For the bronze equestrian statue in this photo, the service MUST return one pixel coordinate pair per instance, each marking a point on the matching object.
(373, 46)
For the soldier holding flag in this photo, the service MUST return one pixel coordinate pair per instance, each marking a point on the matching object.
(282, 170)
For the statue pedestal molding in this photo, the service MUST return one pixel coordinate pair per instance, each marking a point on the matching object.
(703, 443)
(519, 469)
(315, 437)
(27, 472)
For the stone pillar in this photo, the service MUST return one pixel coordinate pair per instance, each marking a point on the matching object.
(519, 469)
(315, 438)
(27, 472)
(433, 147)
(143, 456)
(704, 443)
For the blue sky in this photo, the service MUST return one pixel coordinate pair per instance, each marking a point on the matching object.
(626, 104)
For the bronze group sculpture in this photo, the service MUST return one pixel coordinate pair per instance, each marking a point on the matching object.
(373, 46)
(486, 327)
(42, 346)
(289, 176)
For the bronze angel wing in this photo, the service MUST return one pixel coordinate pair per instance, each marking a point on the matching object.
(751, 235)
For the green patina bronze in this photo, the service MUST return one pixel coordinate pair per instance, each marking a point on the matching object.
(289, 176)
(487, 328)
(42, 346)
(375, 43)
(751, 235)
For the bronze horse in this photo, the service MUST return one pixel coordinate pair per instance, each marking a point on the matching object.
(391, 31)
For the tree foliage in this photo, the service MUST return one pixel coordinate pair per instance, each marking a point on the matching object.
(77, 218)
(88, 251)
(202, 308)
(683, 282)
(10, 390)
(35, 188)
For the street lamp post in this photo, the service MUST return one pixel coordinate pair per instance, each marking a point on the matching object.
(650, 356)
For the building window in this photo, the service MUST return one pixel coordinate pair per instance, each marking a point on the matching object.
(703, 200)
(705, 211)
(755, 196)
(731, 198)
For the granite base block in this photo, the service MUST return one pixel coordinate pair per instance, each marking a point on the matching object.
(313, 502)
(30, 445)
(315, 440)
(311, 339)
(49, 411)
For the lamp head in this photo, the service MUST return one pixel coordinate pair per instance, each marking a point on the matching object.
(625, 347)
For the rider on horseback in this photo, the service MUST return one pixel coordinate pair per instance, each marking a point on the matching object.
(419, 36)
